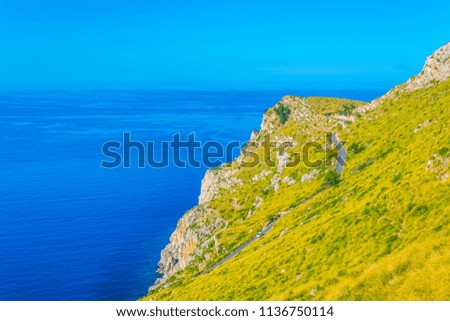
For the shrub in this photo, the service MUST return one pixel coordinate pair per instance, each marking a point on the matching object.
(443, 151)
(356, 148)
(283, 113)
(332, 178)
(346, 110)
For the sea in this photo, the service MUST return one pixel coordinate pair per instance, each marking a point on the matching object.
(71, 229)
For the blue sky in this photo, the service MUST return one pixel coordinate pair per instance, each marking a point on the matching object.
(216, 45)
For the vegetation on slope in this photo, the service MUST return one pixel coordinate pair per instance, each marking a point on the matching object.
(382, 233)
(283, 113)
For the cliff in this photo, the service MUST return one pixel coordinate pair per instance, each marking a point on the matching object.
(196, 239)
(382, 228)
(435, 70)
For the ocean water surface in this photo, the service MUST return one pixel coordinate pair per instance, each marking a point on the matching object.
(72, 230)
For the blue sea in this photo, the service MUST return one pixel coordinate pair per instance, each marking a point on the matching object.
(72, 230)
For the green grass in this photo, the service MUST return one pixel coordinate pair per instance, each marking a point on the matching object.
(382, 233)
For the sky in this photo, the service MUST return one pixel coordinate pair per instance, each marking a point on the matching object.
(153, 44)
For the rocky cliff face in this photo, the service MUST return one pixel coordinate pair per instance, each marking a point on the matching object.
(216, 179)
(197, 228)
(194, 232)
(435, 70)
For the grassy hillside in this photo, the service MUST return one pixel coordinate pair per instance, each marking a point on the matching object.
(381, 233)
